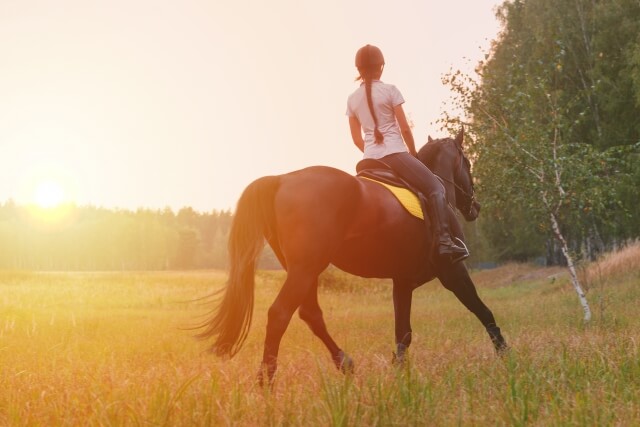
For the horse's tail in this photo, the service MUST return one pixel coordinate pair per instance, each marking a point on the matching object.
(254, 217)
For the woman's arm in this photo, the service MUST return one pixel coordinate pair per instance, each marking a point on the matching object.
(407, 135)
(356, 132)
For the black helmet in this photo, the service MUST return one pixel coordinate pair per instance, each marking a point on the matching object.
(369, 55)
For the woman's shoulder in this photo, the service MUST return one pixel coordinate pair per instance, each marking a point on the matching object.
(357, 92)
(389, 86)
(392, 94)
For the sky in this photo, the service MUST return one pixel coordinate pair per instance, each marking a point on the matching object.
(153, 104)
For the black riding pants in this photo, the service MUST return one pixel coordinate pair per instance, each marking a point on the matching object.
(414, 172)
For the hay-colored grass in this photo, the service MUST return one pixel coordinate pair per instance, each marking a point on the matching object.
(110, 349)
(615, 266)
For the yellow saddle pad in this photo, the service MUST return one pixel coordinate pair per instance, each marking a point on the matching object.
(406, 198)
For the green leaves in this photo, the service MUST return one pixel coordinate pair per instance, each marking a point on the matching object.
(554, 117)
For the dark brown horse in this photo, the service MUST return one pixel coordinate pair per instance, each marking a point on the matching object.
(319, 216)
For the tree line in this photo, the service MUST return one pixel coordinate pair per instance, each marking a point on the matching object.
(93, 238)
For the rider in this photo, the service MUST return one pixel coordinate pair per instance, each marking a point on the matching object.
(376, 108)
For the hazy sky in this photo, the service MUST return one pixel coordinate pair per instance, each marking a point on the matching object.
(148, 103)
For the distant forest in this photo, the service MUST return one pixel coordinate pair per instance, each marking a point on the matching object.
(92, 238)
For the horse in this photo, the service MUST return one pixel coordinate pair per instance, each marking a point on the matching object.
(319, 216)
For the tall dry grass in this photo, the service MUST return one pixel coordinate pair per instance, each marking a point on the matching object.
(109, 349)
(614, 266)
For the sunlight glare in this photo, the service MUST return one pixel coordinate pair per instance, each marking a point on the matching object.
(51, 206)
(49, 194)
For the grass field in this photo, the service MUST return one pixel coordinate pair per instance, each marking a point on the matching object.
(111, 349)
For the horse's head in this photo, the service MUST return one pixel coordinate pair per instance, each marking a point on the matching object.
(446, 159)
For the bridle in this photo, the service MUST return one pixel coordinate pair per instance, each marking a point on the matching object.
(471, 196)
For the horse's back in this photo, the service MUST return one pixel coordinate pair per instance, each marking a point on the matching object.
(316, 191)
(314, 209)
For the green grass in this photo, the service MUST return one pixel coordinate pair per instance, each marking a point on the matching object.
(111, 349)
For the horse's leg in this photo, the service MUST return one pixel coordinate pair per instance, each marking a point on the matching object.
(311, 313)
(456, 278)
(402, 295)
(297, 285)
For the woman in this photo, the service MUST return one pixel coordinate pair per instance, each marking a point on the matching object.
(375, 108)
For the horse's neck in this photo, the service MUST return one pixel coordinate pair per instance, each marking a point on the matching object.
(443, 164)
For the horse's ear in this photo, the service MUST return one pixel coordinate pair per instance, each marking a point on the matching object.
(460, 136)
(429, 139)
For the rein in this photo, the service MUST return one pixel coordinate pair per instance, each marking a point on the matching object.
(472, 195)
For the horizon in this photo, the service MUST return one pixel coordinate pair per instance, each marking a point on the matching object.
(34, 206)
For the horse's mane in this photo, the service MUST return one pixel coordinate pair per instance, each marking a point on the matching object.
(433, 145)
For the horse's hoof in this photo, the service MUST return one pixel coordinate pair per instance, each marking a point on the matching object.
(503, 350)
(499, 343)
(397, 361)
(344, 363)
(399, 357)
(266, 374)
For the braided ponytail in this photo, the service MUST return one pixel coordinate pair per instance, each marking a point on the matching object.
(376, 132)
(370, 62)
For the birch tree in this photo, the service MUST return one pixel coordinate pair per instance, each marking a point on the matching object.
(537, 115)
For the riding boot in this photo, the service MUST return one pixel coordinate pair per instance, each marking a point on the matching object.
(447, 249)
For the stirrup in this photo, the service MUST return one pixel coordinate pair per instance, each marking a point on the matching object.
(460, 257)
(452, 255)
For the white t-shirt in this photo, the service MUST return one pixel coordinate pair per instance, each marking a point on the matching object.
(385, 98)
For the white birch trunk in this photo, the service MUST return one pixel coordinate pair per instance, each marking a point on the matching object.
(572, 268)
(556, 226)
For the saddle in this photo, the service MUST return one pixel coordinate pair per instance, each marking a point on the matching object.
(410, 198)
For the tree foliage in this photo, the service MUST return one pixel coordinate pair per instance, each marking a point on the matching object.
(554, 115)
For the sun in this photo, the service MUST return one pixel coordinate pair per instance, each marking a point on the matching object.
(49, 194)
(51, 206)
